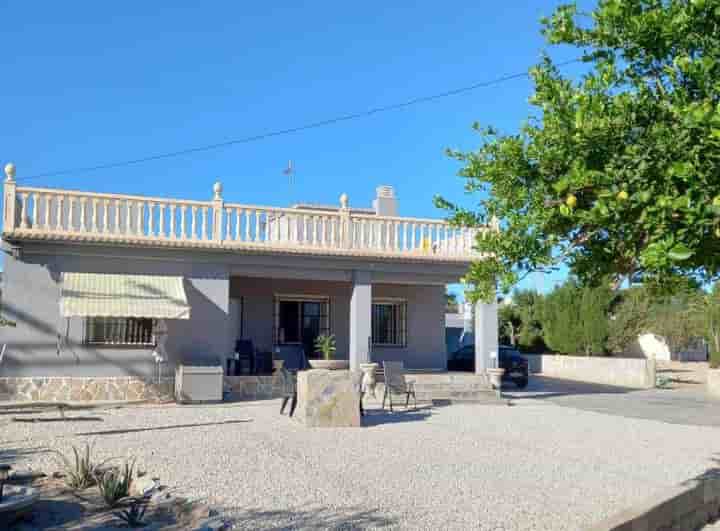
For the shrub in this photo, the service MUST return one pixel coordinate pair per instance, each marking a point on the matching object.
(81, 472)
(325, 344)
(115, 484)
(134, 514)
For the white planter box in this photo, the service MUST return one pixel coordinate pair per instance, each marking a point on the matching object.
(198, 384)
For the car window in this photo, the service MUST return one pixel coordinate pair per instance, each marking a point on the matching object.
(465, 353)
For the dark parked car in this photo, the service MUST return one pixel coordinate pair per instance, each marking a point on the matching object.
(516, 367)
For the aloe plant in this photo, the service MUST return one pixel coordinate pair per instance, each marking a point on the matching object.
(81, 472)
(115, 484)
(134, 514)
(325, 344)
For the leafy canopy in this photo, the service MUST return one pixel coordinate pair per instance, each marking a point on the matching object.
(617, 174)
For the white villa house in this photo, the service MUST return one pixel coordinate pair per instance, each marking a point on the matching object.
(111, 292)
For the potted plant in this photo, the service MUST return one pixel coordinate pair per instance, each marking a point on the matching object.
(325, 345)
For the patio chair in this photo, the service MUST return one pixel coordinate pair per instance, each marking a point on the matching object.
(395, 384)
(293, 364)
(245, 351)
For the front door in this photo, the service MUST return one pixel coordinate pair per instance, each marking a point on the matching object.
(311, 324)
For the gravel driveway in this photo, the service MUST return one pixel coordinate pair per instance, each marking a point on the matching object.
(535, 465)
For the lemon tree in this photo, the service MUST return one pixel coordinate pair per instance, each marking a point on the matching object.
(616, 174)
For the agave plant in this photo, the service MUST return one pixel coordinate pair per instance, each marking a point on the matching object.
(81, 472)
(134, 514)
(325, 344)
(115, 484)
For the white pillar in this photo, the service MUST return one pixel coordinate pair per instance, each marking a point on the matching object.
(360, 319)
(486, 336)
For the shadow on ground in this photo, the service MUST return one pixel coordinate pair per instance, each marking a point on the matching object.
(378, 417)
(322, 518)
(541, 387)
(161, 428)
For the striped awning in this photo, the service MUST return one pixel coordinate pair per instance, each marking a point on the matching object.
(105, 295)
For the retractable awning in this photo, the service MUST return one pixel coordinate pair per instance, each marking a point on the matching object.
(106, 295)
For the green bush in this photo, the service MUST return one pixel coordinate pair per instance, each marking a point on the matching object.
(80, 472)
(115, 484)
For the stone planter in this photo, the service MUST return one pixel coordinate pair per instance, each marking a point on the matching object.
(368, 381)
(495, 376)
(713, 382)
(331, 365)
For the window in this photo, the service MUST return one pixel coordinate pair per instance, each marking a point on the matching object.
(118, 331)
(389, 323)
(299, 321)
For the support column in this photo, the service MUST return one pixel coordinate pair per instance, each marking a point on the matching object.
(360, 319)
(486, 336)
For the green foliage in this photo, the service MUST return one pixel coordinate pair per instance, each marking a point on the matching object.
(115, 484)
(575, 319)
(451, 303)
(325, 344)
(81, 472)
(133, 516)
(705, 308)
(616, 174)
(631, 317)
(521, 321)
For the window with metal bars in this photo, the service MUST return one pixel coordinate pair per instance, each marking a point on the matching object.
(120, 331)
(389, 323)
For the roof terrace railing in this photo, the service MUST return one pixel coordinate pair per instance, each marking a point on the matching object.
(53, 214)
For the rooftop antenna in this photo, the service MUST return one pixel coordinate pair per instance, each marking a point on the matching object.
(290, 172)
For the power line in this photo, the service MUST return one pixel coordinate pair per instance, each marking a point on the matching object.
(281, 132)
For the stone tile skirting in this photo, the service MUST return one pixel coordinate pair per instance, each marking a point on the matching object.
(83, 389)
(255, 387)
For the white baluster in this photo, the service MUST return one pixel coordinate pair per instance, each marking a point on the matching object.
(151, 219)
(116, 229)
(412, 236)
(228, 224)
(106, 213)
(161, 220)
(247, 225)
(257, 226)
(139, 229)
(23, 210)
(48, 206)
(60, 201)
(183, 231)
(203, 223)
(397, 236)
(36, 200)
(238, 223)
(278, 218)
(93, 218)
(332, 231)
(305, 229)
(83, 201)
(173, 207)
(193, 213)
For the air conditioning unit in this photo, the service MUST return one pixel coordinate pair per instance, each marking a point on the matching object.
(198, 384)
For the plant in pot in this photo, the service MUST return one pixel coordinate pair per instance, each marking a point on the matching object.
(325, 346)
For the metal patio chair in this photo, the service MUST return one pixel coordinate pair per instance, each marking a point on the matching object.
(396, 384)
(293, 364)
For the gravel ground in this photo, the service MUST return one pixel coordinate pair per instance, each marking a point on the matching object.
(531, 466)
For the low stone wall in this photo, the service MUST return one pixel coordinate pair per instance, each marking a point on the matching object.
(80, 389)
(713, 382)
(255, 387)
(622, 372)
(687, 506)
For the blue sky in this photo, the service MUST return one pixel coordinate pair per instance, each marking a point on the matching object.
(87, 83)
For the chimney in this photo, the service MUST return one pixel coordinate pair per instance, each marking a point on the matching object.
(385, 203)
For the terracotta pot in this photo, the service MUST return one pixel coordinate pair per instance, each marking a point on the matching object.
(332, 365)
